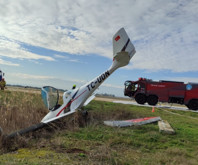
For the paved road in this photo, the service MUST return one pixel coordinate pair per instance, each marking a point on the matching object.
(167, 106)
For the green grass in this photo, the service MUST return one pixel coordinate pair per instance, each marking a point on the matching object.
(95, 143)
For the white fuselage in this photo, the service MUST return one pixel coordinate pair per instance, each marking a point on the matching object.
(75, 99)
(123, 51)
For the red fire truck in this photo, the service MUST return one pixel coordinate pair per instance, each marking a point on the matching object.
(145, 90)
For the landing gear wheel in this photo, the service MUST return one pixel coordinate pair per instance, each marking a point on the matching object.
(193, 104)
(84, 113)
(152, 100)
(140, 98)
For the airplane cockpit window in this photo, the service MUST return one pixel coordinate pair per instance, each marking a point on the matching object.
(67, 94)
(50, 97)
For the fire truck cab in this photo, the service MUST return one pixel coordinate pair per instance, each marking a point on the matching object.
(146, 90)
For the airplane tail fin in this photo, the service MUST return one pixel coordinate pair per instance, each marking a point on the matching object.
(123, 49)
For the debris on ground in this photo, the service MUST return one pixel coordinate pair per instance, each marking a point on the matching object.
(128, 123)
(164, 127)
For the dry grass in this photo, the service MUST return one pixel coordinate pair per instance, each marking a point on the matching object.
(20, 110)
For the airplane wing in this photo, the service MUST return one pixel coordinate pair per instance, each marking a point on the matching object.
(89, 100)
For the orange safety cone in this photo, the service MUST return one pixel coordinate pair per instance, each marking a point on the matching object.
(153, 109)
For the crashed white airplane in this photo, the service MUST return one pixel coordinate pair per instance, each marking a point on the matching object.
(73, 100)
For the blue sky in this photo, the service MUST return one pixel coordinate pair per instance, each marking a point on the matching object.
(65, 42)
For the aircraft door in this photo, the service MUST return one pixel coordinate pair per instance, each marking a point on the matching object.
(50, 97)
(1, 75)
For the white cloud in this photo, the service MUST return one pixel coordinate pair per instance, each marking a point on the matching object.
(60, 56)
(67, 58)
(13, 49)
(164, 32)
(29, 76)
(3, 62)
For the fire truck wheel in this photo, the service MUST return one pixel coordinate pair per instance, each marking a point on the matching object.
(152, 100)
(140, 98)
(193, 104)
